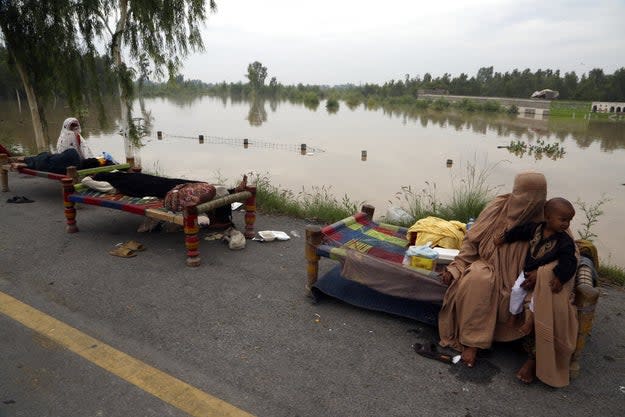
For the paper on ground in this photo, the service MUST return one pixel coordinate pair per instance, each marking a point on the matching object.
(269, 235)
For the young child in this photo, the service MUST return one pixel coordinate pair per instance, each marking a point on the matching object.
(549, 241)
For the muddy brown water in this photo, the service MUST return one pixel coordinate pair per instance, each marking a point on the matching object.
(400, 149)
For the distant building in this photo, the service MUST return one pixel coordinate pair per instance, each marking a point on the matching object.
(607, 107)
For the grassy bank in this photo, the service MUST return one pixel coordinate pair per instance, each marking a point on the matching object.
(580, 110)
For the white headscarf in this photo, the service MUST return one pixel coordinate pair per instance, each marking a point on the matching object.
(71, 138)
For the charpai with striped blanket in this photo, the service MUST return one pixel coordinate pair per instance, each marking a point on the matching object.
(153, 207)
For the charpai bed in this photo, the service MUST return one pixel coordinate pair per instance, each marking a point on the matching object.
(371, 274)
(153, 208)
(72, 172)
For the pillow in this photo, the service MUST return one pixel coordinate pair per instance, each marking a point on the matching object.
(190, 194)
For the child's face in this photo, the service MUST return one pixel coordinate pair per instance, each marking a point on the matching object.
(559, 218)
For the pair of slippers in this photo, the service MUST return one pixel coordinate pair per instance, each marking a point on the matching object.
(127, 250)
(20, 200)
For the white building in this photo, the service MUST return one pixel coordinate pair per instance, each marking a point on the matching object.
(607, 107)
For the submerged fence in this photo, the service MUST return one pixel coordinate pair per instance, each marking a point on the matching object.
(246, 143)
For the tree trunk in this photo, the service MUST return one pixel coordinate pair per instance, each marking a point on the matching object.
(116, 52)
(40, 138)
(19, 100)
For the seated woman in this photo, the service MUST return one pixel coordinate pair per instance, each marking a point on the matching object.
(72, 150)
(70, 138)
(475, 309)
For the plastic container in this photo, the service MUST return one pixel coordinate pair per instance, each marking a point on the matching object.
(422, 256)
(423, 263)
(470, 223)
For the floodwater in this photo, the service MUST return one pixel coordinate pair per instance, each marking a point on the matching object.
(401, 150)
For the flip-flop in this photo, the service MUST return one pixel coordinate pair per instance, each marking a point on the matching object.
(20, 200)
(123, 252)
(430, 351)
(134, 246)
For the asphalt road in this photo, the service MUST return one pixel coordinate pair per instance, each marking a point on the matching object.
(241, 328)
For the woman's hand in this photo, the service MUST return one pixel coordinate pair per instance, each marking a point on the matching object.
(530, 280)
(446, 277)
(556, 285)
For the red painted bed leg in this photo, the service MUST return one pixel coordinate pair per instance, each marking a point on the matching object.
(72, 172)
(70, 210)
(313, 239)
(191, 238)
(250, 212)
(4, 173)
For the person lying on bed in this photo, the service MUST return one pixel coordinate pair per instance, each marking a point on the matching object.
(137, 184)
(57, 162)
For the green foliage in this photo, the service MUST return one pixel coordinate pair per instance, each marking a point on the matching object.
(561, 108)
(318, 204)
(332, 105)
(311, 100)
(469, 196)
(592, 212)
(539, 149)
(50, 52)
(612, 273)
(256, 74)
(440, 104)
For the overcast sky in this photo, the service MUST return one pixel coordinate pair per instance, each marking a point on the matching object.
(358, 41)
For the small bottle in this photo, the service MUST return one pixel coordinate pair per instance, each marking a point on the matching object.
(470, 223)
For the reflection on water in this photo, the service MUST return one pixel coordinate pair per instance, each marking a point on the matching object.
(257, 114)
(403, 148)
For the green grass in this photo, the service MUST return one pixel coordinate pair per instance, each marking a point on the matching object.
(612, 274)
(315, 204)
(564, 108)
(469, 196)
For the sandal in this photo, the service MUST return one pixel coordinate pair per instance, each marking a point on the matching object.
(134, 246)
(123, 252)
(20, 200)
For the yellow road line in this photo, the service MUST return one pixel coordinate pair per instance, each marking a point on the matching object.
(169, 389)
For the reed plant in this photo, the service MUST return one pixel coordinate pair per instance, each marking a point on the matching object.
(315, 204)
(469, 196)
(612, 274)
(470, 193)
(592, 212)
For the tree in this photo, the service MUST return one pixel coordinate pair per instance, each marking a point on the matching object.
(47, 52)
(46, 38)
(256, 74)
(160, 32)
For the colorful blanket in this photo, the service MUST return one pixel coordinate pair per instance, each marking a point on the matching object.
(358, 232)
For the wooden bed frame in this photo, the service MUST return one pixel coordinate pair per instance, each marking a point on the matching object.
(586, 294)
(153, 208)
(72, 172)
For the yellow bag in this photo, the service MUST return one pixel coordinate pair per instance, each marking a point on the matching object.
(443, 233)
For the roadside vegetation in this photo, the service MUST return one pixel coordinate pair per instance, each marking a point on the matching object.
(314, 204)
(470, 194)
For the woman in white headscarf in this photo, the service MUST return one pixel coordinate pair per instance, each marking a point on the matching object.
(70, 138)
